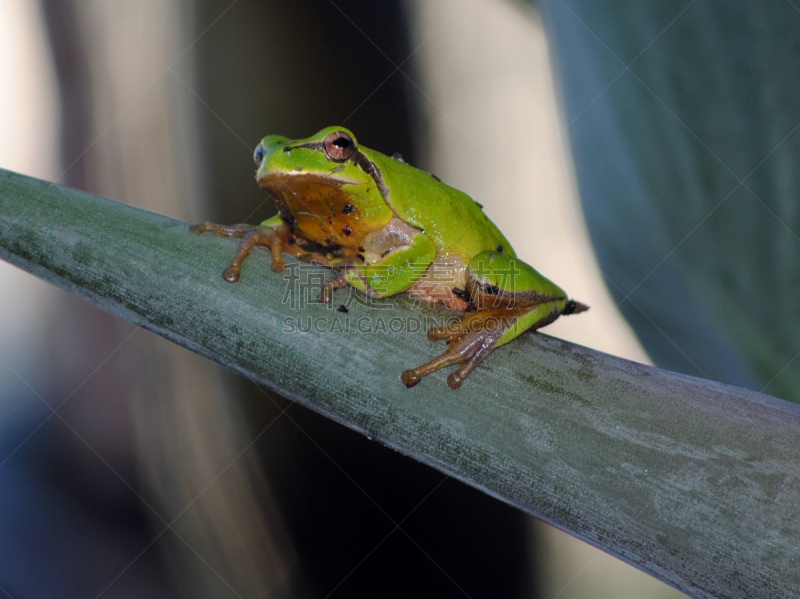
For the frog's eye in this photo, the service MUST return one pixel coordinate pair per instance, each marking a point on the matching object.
(339, 146)
(259, 154)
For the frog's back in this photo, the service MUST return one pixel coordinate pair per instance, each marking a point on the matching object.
(452, 219)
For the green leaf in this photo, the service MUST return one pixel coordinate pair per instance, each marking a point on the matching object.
(684, 121)
(695, 482)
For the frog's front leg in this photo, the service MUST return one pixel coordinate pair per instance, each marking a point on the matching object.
(272, 233)
(510, 297)
(398, 270)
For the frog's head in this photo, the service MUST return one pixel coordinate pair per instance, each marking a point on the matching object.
(330, 157)
(326, 175)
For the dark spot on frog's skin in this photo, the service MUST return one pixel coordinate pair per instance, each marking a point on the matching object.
(500, 248)
(347, 230)
(459, 292)
(492, 289)
(361, 249)
(342, 308)
(289, 220)
(478, 204)
(287, 149)
(348, 209)
(298, 169)
(292, 240)
(360, 257)
(435, 177)
(327, 241)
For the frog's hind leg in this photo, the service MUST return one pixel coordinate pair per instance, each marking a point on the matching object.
(477, 334)
(470, 340)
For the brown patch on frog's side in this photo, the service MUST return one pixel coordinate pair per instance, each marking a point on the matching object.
(485, 295)
(443, 283)
(435, 293)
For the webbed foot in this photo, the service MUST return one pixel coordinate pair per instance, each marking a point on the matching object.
(470, 340)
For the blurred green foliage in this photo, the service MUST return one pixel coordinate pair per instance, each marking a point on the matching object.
(683, 120)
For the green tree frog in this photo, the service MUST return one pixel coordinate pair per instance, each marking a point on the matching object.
(387, 228)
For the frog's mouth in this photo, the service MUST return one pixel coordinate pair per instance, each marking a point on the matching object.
(299, 180)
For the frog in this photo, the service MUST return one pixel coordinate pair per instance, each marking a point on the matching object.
(385, 228)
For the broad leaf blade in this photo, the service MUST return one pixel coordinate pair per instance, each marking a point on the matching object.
(694, 482)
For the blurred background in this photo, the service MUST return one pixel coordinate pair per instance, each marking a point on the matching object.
(130, 467)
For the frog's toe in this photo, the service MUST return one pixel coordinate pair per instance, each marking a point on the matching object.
(232, 273)
(456, 378)
(410, 377)
(221, 230)
(251, 237)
